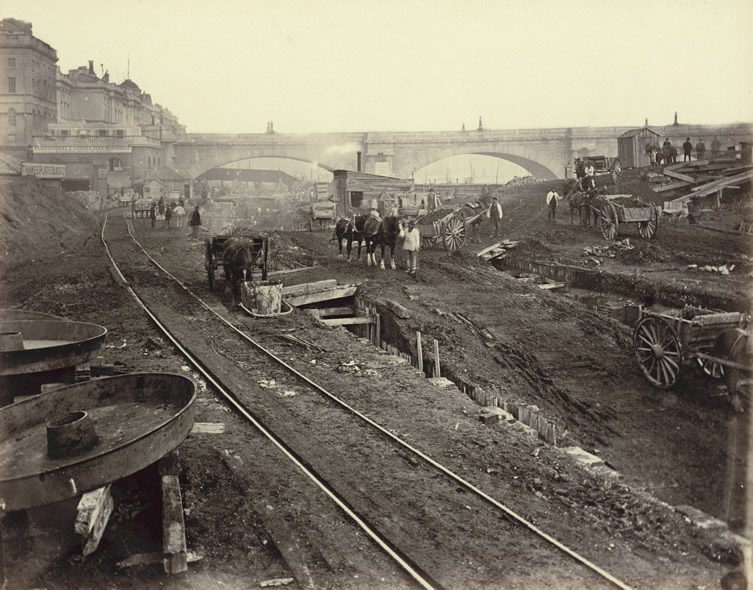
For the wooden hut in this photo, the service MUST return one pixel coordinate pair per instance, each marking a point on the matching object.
(361, 191)
(631, 147)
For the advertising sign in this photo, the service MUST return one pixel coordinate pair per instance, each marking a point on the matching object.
(43, 170)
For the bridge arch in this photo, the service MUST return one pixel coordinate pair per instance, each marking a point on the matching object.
(199, 175)
(533, 167)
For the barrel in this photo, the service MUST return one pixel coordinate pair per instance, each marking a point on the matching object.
(263, 297)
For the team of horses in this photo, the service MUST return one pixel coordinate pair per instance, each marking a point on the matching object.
(372, 231)
(583, 199)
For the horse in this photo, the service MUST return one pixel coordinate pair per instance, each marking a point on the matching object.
(371, 229)
(389, 230)
(350, 229)
(579, 195)
(239, 257)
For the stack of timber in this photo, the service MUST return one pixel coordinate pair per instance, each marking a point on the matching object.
(702, 178)
(497, 250)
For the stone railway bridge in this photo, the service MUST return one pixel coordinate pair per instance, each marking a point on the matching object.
(545, 153)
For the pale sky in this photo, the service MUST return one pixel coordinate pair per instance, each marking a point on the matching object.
(412, 65)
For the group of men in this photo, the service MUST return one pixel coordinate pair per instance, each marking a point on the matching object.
(667, 154)
(175, 210)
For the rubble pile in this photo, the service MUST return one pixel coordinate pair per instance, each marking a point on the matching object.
(610, 250)
(522, 180)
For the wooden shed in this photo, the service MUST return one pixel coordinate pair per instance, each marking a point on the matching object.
(631, 147)
(361, 191)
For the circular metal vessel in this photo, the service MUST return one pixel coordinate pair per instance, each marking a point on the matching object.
(49, 345)
(136, 418)
(23, 314)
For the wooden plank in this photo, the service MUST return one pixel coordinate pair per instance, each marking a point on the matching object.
(419, 352)
(318, 297)
(489, 249)
(711, 187)
(324, 312)
(174, 551)
(547, 286)
(437, 367)
(286, 271)
(93, 513)
(304, 288)
(352, 321)
(670, 187)
(679, 176)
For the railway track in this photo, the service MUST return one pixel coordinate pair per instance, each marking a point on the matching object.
(243, 371)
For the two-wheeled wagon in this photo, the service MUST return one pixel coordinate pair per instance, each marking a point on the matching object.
(448, 227)
(717, 343)
(613, 210)
(214, 249)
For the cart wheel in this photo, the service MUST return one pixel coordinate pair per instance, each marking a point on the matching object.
(647, 229)
(453, 236)
(711, 368)
(607, 224)
(209, 263)
(658, 351)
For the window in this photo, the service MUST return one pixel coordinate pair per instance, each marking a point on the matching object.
(64, 132)
(11, 85)
(119, 133)
(356, 198)
(11, 63)
(102, 132)
(115, 164)
(12, 117)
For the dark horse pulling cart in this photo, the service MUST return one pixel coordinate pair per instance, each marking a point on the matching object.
(238, 255)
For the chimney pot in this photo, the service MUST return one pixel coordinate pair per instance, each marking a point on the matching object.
(91, 66)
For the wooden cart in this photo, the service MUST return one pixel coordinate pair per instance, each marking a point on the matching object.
(611, 213)
(215, 246)
(322, 215)
(449, 228)
(666, 344)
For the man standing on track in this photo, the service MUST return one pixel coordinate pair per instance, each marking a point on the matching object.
(195, 221)
(411, 245)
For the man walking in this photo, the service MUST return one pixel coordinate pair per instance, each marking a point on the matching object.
(551, 201)
(195, 221)
(495, 215)
(700, 149)
(687, 149)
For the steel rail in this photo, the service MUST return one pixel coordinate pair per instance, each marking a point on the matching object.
(466, 484)
(421, 578)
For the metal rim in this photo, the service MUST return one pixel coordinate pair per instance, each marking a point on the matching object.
(453, 236)
(658, 351)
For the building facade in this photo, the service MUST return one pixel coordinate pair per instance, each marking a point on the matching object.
(28, 95)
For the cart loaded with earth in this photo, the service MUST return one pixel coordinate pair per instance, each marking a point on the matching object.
(718, 344)
(612, 210)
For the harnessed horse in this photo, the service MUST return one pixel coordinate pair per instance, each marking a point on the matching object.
(383, 233)
(350, 229)
(239, 257)
(579, 196)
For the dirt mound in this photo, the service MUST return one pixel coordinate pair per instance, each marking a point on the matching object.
(644, 253)
(38, 217)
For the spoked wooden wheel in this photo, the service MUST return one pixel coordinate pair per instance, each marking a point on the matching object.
(453, 236)
(607, 224)
(658, 351)
(647, 229)
(711, 368)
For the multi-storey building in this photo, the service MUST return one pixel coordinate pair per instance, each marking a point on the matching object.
(110, 136)
(28, 101)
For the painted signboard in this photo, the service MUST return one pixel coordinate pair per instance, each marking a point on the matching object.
(43, 170)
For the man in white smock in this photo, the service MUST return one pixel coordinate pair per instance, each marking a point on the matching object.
(411, 244)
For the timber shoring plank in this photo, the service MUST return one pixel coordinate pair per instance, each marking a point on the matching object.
(318, 297)
(174, 549)
(304, 288)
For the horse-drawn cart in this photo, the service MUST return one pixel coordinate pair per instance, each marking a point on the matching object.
(666, 344)
(322, 215)
(215, 248)
(613, 210)
(447, 226)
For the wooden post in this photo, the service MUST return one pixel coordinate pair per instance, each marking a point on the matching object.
(93, 512)
(437, 368)
(378, 329)
(719, 198)
(173, 527)
(419, 352)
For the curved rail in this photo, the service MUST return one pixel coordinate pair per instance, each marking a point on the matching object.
(448, 472)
